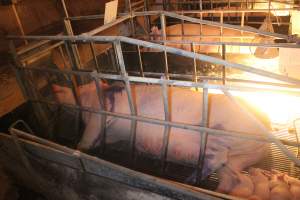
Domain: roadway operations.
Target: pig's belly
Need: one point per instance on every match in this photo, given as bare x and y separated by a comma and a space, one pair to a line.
183, 144
186, 107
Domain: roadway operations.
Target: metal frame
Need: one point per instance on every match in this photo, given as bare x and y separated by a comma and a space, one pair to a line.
70, 42
123, 76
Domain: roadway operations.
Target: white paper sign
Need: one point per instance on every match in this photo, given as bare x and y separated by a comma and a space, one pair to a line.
111, 10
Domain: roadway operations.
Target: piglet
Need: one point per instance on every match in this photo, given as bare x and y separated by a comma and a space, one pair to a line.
244, 188
294, 186
279, 188
261, 183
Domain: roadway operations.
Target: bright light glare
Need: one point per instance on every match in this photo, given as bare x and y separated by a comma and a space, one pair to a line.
280, 108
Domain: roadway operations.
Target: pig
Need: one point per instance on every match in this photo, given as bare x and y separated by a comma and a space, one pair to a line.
261, 183
244, 188
279, 188
223, 153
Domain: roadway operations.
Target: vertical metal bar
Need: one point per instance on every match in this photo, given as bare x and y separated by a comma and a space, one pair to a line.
16, 67
22, 82
140, 61
61, 52
182, 32
195, 62
74, 49
164, 36
65, 8
221, 28
223, 67
103, 116
167, 127
94, 56
20, 25
204, 123
131, 18
119, 54
242, 25
147, 19
200, 5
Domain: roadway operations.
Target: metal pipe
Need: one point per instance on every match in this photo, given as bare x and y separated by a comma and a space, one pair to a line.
204, 135
169, 50
94, 56
167, 128
19, 23
140, 61
119, 54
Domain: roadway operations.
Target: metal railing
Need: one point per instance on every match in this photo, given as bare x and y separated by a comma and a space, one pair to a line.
122, 75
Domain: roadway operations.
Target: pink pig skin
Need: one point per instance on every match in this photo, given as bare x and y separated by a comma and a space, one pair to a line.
244, 188
279, 188
261, 183
185, 107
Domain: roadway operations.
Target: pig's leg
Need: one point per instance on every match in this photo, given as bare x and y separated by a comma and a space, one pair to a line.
227, 179
91, 133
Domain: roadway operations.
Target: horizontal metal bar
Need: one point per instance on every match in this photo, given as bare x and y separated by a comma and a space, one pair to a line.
270, 45
108, 25
291, 90
229, 26
168, 49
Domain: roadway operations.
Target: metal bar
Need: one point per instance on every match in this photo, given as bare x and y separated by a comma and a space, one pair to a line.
163, 32
120, 58
22, 81
74, 50
19, 23
37, 181
223, 68
167, 128
229, 26
290, 89
100, 96
194, 63
208, 43
108, 25
147, 13
63, 3
255, 137
61, 52
170, 50
204, 135
140, 61
94, 56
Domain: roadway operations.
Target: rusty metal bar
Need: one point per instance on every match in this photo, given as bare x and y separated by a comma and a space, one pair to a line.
124, 74
204, 135
167, 128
